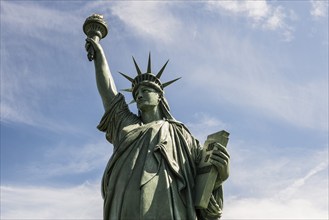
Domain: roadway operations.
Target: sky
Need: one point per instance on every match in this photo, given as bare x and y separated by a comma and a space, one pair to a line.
257, 69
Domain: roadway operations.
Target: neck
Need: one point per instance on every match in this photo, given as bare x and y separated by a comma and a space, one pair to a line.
150, 115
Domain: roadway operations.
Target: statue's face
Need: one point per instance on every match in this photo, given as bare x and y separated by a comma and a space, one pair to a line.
146, 98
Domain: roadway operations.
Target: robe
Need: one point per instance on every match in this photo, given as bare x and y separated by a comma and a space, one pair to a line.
151, 172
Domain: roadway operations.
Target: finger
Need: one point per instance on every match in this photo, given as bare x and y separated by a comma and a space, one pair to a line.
220, 146
219, 161
221, 149
213, 200
213, 207
221, 164
216, 159
221, 155
223, 170
90, 40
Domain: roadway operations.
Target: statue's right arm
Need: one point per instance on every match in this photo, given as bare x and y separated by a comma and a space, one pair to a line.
104, 79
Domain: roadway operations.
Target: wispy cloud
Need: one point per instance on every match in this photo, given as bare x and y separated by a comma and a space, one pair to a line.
253, 191
269, 208
269, 183
248, 77
288, 193
152, 20
319, 9
36, 202
38, 22
204, 125
251, 79
254, 83
233, 69
256, 10
157, 21
29, 70
261, 14
70, 160
27, 114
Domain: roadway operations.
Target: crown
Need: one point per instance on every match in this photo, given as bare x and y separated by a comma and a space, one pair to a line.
148, 78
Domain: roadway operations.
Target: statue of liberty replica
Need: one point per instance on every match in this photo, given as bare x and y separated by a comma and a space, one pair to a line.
154, 171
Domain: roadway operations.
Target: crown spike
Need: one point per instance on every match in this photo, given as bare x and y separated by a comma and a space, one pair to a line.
137, 67
127, 90
127, 77
170, 82
149, 64
131, 102
162, 69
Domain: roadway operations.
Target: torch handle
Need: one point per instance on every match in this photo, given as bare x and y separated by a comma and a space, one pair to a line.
91, 50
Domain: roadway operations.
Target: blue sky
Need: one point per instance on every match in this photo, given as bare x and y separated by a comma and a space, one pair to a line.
258, 69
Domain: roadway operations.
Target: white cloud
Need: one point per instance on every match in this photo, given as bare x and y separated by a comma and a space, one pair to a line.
39, 22
319, 8
33, 202
253, 9
276, 20
274, 183
249, 79
269, 208
151, 20
262, 185
148, 20
204, 125
70, 160
25, 113
261, 14
29, 70
25, 87
248, 82
300, 104
289, 192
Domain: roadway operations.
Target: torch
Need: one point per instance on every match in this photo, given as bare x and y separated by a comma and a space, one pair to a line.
95, 27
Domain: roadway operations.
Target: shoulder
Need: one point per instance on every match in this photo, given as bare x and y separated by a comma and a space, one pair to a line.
118, 115
182, 128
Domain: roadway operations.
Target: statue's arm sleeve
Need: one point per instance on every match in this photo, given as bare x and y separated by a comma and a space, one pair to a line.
194, 145
197, 151
116, 118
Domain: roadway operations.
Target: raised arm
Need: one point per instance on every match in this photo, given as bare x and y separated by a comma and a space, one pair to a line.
104, 79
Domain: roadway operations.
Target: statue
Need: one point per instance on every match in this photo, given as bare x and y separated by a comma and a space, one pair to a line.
153, 171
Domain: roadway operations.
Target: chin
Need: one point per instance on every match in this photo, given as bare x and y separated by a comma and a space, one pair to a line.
145, 108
